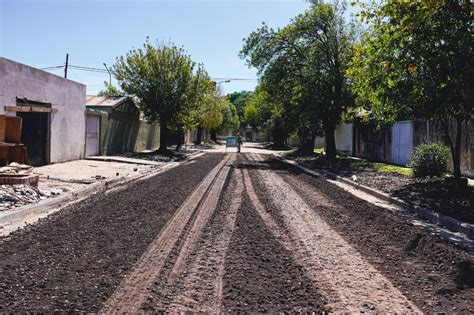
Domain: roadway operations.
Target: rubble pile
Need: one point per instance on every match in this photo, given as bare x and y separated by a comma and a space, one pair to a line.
16, 168
12, 196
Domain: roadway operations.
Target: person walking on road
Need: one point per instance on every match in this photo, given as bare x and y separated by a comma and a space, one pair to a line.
239, 142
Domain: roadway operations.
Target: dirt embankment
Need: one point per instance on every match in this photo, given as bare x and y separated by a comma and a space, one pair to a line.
74, 260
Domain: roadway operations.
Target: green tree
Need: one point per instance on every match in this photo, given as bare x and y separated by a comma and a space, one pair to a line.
416, 61
208, 114
161, 78
263, 113
239, 99
231, 120
110, 90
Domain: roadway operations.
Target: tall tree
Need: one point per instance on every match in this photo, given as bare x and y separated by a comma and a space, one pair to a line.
311, 54
416, 61
161, 78
239, 99
231, 121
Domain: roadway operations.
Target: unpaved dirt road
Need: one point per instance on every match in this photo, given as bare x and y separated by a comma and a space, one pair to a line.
227, 233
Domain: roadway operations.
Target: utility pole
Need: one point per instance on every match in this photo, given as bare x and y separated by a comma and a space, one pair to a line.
65, 68
110, 74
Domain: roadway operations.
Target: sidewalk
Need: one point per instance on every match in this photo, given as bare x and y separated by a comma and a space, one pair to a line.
68, 176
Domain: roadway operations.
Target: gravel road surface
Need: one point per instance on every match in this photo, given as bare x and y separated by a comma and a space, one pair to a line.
232, 233
73, 260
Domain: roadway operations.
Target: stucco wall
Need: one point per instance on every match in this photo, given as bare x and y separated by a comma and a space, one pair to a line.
68, 97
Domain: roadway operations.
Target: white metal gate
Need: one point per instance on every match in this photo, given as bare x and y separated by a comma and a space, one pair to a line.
92, 135
402, 142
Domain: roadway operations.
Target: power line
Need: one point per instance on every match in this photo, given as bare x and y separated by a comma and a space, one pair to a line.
101, 70
233, 79
54, 67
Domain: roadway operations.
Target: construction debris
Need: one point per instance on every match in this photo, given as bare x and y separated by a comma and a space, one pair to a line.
12, 196
16, 168
15, 174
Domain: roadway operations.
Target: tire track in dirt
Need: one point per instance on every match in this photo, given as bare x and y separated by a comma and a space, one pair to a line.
134, 288
359, 286
200, 286
261, 274
167, 286
437, 276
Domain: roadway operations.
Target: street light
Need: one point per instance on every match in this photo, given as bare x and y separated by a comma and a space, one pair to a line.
218, 83
110, 74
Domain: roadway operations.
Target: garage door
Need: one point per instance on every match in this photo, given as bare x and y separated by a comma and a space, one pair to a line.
402, 142
92, 135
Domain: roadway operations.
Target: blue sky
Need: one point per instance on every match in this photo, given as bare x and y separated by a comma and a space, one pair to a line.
40, 32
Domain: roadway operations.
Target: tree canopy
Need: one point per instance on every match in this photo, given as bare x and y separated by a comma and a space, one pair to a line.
239, 99
416, 61
162, 79
302, 68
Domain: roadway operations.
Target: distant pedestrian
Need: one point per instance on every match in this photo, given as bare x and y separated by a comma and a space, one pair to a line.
239, 142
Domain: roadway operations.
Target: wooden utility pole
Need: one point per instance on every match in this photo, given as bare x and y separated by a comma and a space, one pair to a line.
65, 68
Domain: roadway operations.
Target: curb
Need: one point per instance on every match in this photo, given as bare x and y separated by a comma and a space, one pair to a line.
433, 217
84, 192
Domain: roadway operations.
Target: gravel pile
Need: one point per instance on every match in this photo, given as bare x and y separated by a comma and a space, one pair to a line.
12, 196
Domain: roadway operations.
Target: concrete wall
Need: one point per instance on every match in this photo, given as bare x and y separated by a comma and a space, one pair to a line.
343, 135
377, 145
67, 127
374, 145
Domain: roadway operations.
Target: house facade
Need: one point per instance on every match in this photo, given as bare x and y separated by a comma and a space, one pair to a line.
52, 111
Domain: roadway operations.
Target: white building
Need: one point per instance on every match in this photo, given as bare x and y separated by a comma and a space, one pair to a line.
52, 108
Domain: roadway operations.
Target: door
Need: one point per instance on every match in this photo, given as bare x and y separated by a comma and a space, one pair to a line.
35, 137
92, 135
402, 142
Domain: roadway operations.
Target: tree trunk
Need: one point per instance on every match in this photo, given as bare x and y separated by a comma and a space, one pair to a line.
307, 143
456, 150
330, 141
163, 137
455, 147
279, 135
279, 138
214, 135
198, 136
180, 140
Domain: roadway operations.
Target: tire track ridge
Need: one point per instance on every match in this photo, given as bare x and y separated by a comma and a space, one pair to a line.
202, 289
191, 236
133, 289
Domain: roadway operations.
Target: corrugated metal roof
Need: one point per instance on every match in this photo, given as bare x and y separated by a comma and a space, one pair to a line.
94, 100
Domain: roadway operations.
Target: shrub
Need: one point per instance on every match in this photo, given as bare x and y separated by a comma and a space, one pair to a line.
429, 159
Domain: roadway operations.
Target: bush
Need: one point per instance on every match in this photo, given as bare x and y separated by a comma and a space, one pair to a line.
429, 160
